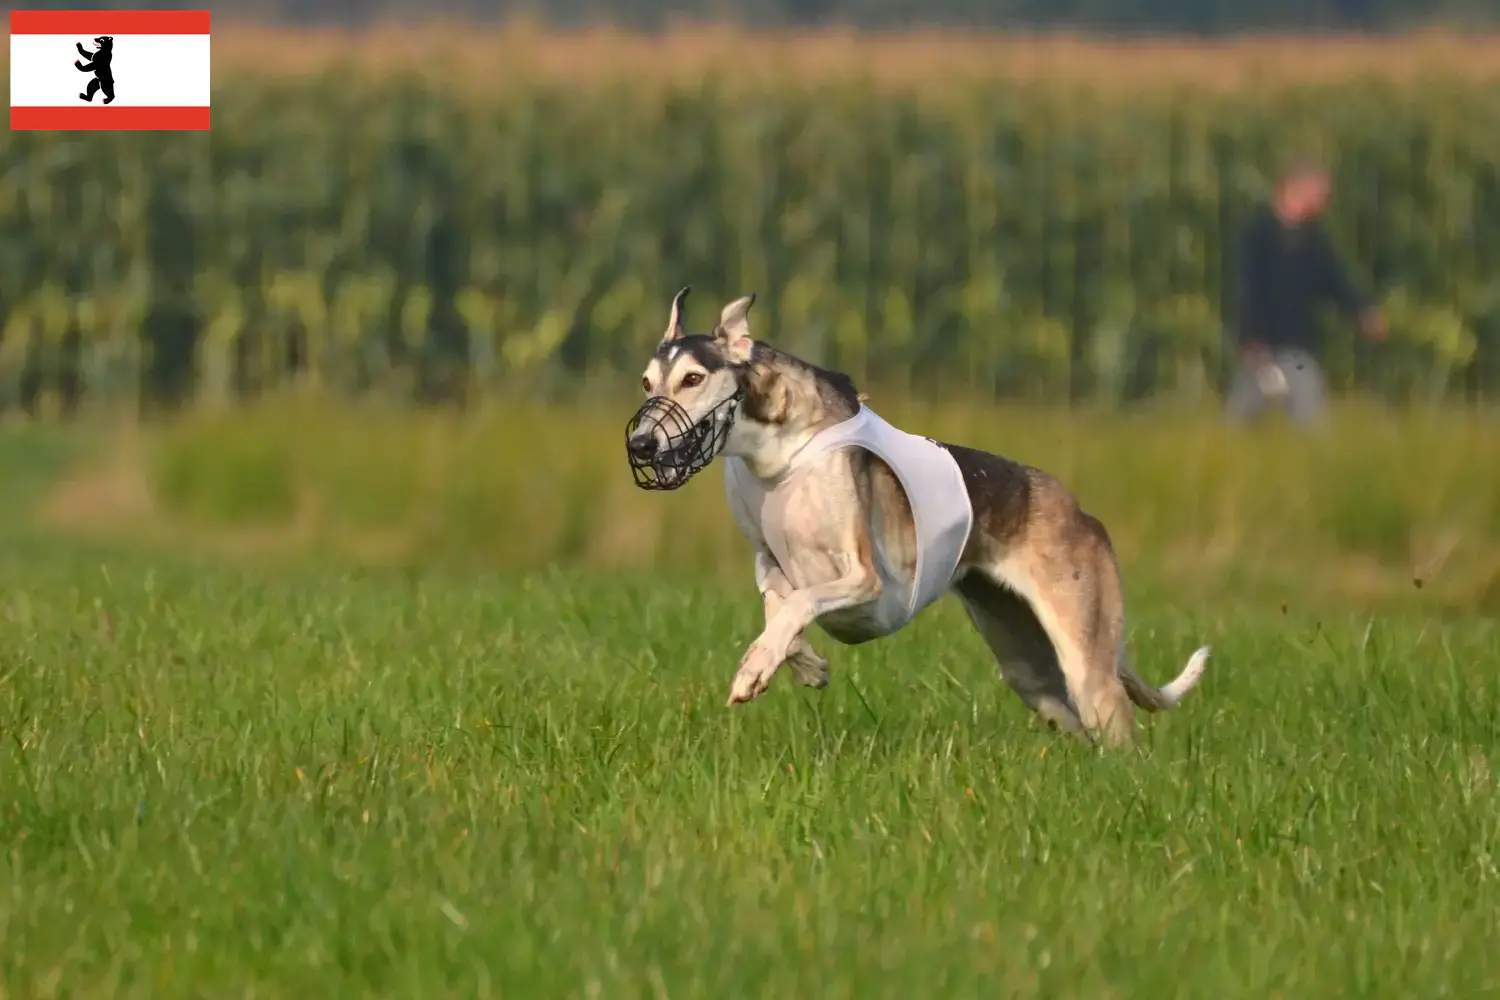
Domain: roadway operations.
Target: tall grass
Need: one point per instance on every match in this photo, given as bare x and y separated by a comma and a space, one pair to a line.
1384, 510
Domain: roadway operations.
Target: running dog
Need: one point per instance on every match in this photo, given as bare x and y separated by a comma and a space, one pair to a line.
858, 526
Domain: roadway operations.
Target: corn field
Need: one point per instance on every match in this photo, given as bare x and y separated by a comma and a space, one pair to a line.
997, 238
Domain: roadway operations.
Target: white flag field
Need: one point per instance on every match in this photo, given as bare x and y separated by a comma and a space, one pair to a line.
109, 69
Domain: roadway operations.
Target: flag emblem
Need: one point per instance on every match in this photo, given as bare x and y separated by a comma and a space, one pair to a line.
109, 69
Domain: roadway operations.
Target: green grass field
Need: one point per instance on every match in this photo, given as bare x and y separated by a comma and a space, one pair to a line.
317, 777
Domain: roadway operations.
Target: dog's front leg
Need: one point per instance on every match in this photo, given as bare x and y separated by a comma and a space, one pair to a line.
808, 666
798, 610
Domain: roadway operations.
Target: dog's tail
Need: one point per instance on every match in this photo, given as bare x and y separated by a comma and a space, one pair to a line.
1168, 695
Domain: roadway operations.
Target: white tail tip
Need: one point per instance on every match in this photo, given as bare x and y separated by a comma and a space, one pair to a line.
1174, 692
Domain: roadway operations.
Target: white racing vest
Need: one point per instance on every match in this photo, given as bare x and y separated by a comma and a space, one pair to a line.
934, 488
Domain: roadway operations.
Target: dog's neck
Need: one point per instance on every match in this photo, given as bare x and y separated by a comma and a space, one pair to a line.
785, 403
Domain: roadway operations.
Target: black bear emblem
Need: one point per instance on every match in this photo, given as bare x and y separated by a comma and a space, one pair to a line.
98, 64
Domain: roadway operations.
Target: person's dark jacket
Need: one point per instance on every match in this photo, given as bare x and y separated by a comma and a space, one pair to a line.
1282, 274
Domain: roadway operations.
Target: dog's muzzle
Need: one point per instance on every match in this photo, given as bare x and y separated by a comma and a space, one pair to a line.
666, 448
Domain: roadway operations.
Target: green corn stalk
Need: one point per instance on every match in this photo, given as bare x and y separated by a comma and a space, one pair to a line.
1005, 237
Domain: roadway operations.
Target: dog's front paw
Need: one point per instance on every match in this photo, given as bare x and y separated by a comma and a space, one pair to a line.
810, 668
756, 670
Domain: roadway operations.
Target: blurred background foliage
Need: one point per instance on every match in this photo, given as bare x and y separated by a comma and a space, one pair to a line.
1006, 239
501, 219
1199, 16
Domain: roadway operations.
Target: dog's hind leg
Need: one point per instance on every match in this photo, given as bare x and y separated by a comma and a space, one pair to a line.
1067, 578
1031, 540
1027, 661
1071, 583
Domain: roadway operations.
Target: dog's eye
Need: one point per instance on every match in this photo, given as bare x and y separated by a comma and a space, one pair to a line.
691, 379
646, 384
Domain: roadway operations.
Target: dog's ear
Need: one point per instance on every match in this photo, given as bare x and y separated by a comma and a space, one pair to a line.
675, 329
733, 331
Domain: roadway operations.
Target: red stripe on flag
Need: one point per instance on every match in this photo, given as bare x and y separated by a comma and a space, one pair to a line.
109, 22
65, 119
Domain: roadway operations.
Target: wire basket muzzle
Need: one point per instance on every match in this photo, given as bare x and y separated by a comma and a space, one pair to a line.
666, 447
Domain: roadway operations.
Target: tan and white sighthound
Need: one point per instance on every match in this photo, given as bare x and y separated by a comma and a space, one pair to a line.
837, 540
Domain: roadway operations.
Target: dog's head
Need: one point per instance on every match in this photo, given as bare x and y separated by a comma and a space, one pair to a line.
694, 384
700, 371
105, 42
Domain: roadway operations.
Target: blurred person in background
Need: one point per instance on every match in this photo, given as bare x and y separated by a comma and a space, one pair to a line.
1286, 268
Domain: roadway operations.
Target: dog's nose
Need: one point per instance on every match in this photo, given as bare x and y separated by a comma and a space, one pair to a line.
643, 448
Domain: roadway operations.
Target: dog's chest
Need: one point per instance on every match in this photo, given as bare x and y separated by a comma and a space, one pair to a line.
810, 531
806, 522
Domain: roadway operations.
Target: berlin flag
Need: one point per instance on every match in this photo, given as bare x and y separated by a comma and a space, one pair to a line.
109, 69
